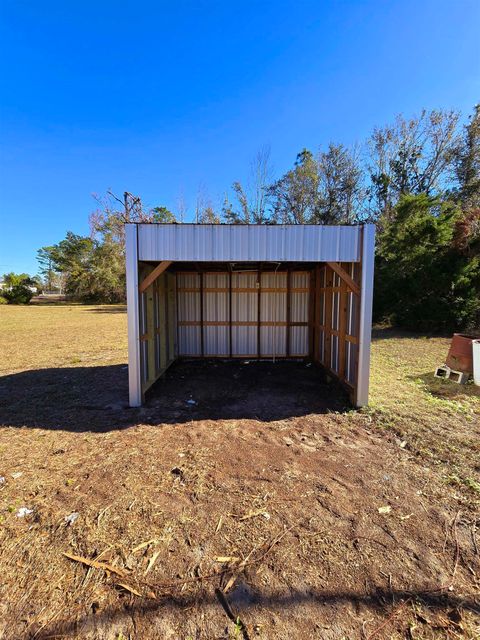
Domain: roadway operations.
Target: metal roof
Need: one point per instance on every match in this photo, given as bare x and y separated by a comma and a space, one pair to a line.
235, 243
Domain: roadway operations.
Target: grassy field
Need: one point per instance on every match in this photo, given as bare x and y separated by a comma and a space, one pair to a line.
315, 520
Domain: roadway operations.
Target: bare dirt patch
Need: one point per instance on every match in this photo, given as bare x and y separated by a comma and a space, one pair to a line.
256, 479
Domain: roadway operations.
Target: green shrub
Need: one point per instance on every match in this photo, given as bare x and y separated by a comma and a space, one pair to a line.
423, 281
3, 300
18, 294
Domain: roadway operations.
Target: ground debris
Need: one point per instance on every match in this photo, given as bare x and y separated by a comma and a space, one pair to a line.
71, 518
96, 564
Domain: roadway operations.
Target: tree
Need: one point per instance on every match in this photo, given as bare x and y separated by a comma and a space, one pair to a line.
410, 156
46, 263
163, 215
12, 279
295, 195
208, 216
422, 280
252, 200
93, 269
109, 220
341, 191
467, 163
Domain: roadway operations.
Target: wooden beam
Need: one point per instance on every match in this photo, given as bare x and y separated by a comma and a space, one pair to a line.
202, 343
159, 269
327, 339
340, 271
230, 333
311, 314
342, 328
287, 331
259, 310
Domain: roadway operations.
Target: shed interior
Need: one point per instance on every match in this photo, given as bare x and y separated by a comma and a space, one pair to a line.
254, 310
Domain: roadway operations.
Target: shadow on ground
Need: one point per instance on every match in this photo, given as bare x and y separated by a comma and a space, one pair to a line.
96, 398
380, 602
106, 309
445, 389
394, 333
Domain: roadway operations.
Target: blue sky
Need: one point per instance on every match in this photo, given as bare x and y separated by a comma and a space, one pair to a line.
158, 98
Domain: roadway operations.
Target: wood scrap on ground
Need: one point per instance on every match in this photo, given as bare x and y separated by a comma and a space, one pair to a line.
96, 564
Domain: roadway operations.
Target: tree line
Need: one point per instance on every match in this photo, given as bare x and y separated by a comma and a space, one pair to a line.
417, 179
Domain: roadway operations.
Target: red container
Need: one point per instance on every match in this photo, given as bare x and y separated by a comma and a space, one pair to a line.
460, 354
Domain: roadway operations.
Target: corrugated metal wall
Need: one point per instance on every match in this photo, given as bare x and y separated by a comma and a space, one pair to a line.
244, 243
336, 322
243, 314
157, 325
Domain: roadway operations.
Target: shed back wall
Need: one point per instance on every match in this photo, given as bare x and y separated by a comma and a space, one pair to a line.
243, 314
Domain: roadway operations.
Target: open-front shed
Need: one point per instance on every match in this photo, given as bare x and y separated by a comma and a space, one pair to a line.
249, 291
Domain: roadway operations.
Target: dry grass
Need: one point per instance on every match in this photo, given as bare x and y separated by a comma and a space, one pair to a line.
438, 419
293, 497
60, 335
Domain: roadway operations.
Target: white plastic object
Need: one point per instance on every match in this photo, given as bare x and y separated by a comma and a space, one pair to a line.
476, 361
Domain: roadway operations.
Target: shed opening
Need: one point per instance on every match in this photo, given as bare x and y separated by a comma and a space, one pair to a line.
256, 309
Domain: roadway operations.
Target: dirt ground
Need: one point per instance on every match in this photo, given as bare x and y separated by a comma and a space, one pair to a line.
245, 500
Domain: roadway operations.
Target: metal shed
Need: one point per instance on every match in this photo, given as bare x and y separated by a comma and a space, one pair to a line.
249, 291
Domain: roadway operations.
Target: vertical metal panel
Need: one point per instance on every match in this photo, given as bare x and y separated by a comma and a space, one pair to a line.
216, 341
277, 243
216, 309
188, 310
299, 341
134, 372
189, 341
366, 301
299, 312
244, 309
273, 341
273, 309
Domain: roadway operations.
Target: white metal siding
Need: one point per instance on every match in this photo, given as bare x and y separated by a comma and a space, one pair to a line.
242, 243
188, 310
273, 309
299, 312
246, 338
216, 309
244, 309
